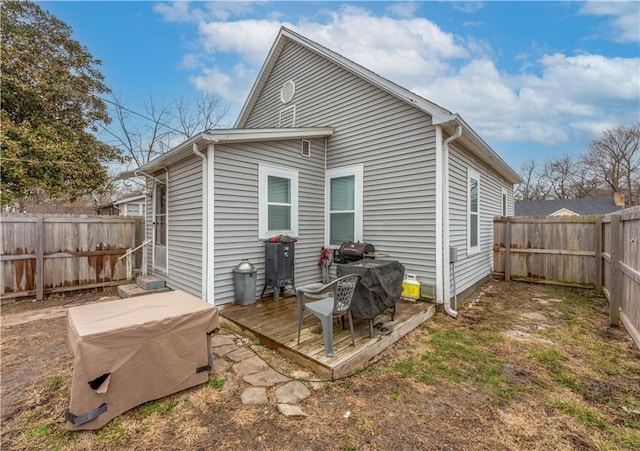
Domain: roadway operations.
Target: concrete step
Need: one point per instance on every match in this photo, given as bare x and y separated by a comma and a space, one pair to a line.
132, 289
150, 282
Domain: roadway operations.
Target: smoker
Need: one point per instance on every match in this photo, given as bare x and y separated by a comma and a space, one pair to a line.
278, 266
352, 252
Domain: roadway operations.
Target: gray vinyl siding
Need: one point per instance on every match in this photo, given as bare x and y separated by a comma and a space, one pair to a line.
236, 209
185, 223
393, 140
470, 269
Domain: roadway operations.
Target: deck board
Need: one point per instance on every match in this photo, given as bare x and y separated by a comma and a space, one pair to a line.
275, 324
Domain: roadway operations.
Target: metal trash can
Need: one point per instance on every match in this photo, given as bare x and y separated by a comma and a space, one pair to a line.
244, 283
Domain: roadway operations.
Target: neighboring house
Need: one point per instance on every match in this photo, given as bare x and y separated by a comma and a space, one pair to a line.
129, 206
326, 151
569, 207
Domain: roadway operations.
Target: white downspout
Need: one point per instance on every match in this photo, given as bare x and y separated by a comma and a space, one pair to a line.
446, 265
210, 225
205, 217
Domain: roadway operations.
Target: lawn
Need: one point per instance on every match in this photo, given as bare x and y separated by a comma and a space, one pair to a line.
522, 367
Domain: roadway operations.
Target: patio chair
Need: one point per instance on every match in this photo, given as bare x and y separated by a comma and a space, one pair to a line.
329, 301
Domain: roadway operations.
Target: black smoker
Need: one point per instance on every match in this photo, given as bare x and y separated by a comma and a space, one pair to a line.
278, 265
352, 252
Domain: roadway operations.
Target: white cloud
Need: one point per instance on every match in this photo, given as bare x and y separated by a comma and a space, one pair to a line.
468, 7
554, 99
624, 25
402, 9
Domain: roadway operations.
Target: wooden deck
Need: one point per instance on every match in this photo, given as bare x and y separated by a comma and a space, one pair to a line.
275, 325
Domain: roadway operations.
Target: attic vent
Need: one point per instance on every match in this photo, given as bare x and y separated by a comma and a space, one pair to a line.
287, 92
305, 150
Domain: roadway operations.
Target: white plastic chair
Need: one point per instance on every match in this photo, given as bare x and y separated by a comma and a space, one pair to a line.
330, 301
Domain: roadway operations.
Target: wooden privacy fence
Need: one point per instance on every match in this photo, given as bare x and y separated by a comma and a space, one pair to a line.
43, 254
599, 252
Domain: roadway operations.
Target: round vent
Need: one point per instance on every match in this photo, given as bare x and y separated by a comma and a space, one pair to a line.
287, 92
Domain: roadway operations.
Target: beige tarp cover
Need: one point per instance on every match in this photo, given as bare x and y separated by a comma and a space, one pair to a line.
135, 350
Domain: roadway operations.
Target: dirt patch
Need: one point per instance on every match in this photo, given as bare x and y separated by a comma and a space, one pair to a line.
571, 383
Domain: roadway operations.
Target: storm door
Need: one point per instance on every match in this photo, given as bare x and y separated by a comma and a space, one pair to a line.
160, 227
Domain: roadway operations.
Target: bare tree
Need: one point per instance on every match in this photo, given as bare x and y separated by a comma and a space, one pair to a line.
616, 158
530, 188
567, 177
145, 136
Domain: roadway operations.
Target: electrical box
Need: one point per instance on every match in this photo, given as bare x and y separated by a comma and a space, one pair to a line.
453, 254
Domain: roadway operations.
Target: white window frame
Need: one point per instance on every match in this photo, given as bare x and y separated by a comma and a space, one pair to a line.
357, 171
263, 220
504, 203
475, 175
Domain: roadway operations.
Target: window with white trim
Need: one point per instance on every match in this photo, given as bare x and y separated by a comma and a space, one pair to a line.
343, 196
473, 212
278, 202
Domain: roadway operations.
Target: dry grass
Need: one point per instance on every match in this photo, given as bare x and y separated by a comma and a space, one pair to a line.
523, 367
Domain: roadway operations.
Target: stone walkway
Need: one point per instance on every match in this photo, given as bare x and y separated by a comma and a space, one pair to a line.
241, 365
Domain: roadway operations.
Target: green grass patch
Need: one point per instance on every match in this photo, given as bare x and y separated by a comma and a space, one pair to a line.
585, 415
112, 433
38, 431
217, 383
460, 355
155, 407
55, 383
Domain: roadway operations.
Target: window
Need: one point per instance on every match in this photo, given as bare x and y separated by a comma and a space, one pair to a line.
504, 202
473, 212
344, 205
278, 202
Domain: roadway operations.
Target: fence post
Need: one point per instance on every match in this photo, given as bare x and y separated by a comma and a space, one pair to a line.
598, 251
507, 251
39, 258
614, 271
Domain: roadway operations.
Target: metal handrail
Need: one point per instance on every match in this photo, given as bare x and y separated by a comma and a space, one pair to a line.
131, 251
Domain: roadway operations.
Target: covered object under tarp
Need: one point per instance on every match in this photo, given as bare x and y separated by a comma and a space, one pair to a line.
135, 350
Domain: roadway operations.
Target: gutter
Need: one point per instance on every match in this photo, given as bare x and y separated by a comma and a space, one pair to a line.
446, 265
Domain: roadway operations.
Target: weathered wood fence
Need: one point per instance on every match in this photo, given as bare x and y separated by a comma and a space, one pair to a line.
43, 254
599, 252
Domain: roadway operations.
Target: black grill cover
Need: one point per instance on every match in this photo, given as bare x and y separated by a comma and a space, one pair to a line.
379, 288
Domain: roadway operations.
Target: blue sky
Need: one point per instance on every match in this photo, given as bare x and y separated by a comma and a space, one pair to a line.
534, 79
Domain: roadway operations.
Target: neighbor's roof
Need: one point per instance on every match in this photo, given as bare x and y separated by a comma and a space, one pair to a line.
440, 116
583, 207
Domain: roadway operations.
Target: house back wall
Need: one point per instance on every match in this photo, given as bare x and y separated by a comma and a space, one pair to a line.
393, 140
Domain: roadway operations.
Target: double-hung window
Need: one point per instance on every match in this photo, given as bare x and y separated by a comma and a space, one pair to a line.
278, 206
343, 205
473, 212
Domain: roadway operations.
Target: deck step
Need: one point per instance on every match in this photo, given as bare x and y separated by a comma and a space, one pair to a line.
150, 282
132, 289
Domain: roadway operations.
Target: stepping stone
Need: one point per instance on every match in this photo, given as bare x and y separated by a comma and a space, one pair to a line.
254, 396
291, 411
250, 366
221, 340
240, 354
292, 392
267, 378
534, 316
221, 351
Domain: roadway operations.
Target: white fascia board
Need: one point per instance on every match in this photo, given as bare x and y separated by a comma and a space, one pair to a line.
231, 135
234, 135
480, 148
129, 199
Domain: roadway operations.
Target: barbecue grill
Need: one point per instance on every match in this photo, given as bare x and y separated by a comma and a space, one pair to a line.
352, 252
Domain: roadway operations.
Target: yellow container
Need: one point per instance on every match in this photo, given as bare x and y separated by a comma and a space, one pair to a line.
410, 287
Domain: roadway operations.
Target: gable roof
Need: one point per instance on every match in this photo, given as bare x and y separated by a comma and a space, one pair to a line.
440, 116
584, 207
